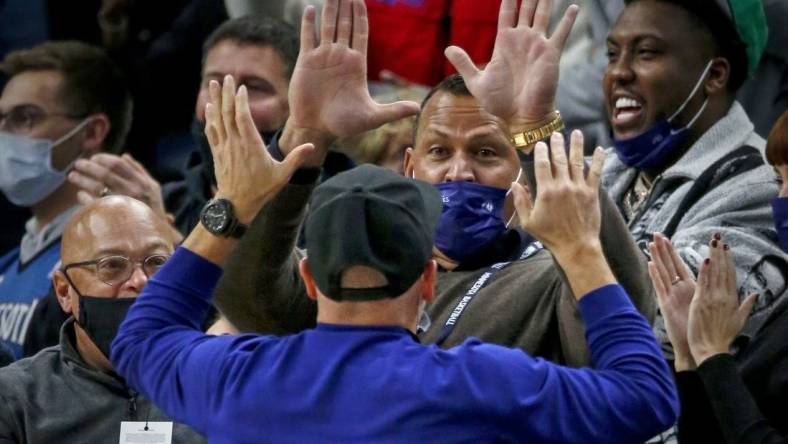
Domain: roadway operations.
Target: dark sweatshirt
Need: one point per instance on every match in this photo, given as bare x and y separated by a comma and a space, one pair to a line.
54, 397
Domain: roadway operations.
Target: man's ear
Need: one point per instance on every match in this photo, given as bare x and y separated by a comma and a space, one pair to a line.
309, 281
719, 76
408, 162
96, 133
62, 292
428, 281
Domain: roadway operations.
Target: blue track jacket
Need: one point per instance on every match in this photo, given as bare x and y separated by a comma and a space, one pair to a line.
341, 383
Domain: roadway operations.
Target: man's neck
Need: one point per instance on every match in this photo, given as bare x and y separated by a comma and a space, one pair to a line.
53, 205
389, 313
89, 352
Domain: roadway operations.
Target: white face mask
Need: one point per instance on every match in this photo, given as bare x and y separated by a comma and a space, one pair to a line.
26, 172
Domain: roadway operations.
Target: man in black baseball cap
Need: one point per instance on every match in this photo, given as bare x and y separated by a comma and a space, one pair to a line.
361, 375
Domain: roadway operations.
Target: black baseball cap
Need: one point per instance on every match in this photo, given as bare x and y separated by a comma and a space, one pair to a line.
373, 217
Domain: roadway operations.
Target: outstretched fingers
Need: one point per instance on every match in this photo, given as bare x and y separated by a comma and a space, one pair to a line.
328, 21
215, 95
345, 22
462, 63
243, 119
389, 112
523, 202
542, 16
360, 27
576, 160
228, 107
595, 171
564, 27
308, 37
542, 169
558, 157
527, 9
507, 14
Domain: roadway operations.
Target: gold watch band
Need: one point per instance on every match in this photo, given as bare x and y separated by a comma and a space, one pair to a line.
529, 137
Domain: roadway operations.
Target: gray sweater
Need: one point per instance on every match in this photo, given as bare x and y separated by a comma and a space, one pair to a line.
54, 397
528, 304
738, 208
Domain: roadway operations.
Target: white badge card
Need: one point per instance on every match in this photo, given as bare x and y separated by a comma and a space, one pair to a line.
141, 432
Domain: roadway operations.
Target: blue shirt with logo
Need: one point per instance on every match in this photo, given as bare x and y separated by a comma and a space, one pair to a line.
21, 287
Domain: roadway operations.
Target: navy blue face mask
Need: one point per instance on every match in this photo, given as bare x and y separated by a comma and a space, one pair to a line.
780, 214
471, 218
659, 143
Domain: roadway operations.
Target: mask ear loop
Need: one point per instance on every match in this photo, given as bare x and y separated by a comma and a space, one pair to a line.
691, 95
65, 137
514, 213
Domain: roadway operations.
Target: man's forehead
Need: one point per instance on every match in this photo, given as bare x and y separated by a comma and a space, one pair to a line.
656, 19
118, 228
244, 60
446, 113
37, 88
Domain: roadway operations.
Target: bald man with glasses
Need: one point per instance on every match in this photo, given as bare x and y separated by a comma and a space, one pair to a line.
70, 392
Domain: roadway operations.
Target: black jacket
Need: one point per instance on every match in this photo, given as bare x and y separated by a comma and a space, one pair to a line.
741, 399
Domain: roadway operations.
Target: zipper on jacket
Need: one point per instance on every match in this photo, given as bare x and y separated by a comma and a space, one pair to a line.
132, 405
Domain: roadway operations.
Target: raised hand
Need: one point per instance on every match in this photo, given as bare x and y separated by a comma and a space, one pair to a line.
715, 315
566, 211
565, 216
246, 174
520, 82
106, 173
328, 93
675, 286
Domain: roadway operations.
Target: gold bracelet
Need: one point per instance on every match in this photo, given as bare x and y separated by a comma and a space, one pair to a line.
529, 137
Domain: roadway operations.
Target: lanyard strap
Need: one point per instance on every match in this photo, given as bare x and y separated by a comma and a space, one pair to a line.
480, 283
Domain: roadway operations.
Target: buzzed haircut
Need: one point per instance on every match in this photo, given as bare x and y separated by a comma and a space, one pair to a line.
453, 84
92, 82
709, 17
258, 31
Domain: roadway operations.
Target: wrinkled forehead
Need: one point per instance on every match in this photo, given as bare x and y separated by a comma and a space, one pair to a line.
128, 230
458, 116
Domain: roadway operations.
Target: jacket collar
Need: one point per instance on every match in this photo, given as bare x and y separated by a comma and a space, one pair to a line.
70, 358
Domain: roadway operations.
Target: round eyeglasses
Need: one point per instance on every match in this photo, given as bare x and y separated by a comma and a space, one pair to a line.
115, 270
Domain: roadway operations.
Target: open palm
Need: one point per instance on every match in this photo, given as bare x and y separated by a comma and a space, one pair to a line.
328, 91
520, 82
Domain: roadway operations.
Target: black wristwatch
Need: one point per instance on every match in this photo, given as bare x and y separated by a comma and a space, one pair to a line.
219, 218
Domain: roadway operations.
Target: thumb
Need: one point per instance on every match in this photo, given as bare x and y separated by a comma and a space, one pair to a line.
84, 198
462, 62
746, 308
389, 112
522, 202
296, 158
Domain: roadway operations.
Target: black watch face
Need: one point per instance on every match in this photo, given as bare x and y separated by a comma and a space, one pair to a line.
216, 218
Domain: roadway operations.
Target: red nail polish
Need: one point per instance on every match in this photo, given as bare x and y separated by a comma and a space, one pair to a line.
706, 261
725, 247
717, 236
714, 243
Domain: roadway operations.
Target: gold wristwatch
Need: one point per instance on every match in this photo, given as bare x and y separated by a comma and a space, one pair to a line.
529, 137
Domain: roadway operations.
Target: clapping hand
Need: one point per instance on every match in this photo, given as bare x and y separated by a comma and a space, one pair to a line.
675, 286
715, 315
520, 82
